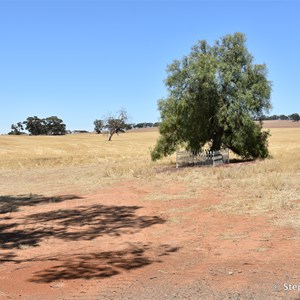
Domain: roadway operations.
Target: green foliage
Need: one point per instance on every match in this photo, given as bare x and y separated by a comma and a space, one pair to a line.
295, 117
292, 117
145, 125
16, 129
214, 95
128, 126
55, 126
49, 126
35, 125
99, 124
114, 124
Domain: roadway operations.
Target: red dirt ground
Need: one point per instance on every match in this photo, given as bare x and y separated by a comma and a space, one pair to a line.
117, 244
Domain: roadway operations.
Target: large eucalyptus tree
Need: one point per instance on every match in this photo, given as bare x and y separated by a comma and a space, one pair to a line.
214, 95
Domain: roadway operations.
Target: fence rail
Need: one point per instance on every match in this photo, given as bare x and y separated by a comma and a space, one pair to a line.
205, 158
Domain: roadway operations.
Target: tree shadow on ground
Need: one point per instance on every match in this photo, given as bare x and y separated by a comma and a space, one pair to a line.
13, 203
8, 257
240, 160
102, 264
18, 239
82, 223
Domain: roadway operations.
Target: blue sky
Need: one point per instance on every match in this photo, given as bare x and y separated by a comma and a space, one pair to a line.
81, 60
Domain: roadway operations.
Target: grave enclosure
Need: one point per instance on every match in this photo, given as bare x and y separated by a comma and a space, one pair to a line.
205, 158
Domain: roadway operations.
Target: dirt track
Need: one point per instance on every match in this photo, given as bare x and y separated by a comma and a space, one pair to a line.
119, 244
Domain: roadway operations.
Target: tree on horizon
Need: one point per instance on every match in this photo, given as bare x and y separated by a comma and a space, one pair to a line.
114, 124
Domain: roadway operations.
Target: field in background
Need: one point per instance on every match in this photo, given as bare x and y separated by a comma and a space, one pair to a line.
84, 163
21, 152
281, 124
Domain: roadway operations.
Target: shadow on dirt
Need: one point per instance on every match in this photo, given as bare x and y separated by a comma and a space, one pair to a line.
8, 257
240, 160
14, 203
21, 239
89, 222
101, 265
82, 223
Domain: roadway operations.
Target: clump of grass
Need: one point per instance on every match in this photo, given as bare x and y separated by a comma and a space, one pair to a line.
257, 187
229, 236
264, 186
165, 197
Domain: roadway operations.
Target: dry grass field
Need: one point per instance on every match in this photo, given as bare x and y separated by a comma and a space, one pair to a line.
84, 218
86, 162
83, 161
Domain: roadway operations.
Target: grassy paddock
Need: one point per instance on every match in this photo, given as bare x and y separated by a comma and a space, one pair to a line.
22, 152
272, 185
86, 162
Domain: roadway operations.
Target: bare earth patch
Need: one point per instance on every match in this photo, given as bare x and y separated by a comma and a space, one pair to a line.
124, 242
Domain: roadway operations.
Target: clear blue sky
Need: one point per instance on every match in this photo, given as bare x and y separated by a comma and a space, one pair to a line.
80, 60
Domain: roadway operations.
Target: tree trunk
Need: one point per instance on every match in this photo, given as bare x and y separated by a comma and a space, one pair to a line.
217, 141
111, 134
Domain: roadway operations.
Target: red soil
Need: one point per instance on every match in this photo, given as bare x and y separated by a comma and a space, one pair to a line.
117, 245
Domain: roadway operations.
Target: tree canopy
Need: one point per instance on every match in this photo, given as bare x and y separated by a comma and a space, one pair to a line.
295, 117
214, 95
36, 126
114, 124
99, 124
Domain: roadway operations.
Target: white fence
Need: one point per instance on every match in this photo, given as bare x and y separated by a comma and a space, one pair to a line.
205, 158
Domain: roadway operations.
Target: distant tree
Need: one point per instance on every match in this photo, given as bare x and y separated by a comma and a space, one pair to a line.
149, 124
294, 117
272, 117
99, 124
214, 95
55, 126
48, 126
283, 117
144, 125
16, 129
35, 125
116, 124
79, 131
128, 126
140, 125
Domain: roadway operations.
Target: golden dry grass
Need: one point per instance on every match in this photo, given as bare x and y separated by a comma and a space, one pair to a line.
85, 163
21, 152
271, 186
